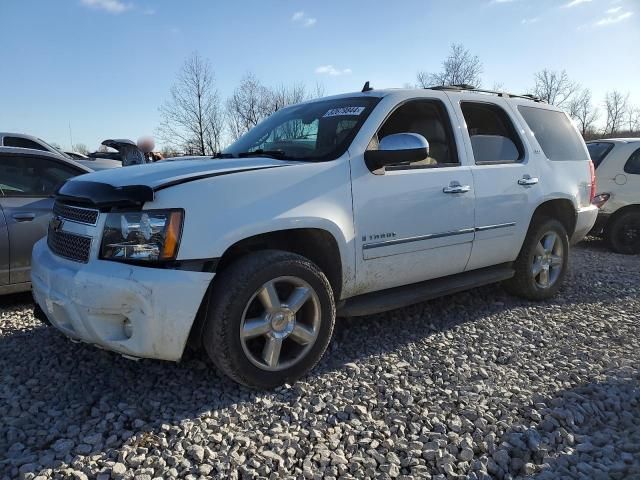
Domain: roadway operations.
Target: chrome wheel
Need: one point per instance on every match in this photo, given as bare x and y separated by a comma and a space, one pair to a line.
548, 260
277, 333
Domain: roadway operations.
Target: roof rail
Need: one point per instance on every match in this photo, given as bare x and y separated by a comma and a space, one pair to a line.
470, 88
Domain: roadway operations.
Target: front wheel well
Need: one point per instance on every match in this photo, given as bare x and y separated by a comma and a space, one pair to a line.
316, 244
561, 210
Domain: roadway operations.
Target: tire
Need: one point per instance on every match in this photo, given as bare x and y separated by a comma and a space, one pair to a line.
536, 257
623, 233
280, 344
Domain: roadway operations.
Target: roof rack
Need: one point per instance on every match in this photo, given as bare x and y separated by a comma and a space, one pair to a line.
470, 88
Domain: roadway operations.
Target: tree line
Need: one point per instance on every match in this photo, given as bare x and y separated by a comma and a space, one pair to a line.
196, 120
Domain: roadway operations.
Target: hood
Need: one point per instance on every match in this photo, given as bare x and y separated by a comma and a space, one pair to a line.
137, 184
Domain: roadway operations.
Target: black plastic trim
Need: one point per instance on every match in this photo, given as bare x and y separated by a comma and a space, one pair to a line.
101, 195
398, 297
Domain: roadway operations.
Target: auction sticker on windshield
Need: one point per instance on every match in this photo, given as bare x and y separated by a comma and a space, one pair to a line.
336, 112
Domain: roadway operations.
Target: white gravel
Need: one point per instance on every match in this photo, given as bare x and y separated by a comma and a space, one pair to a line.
477, 385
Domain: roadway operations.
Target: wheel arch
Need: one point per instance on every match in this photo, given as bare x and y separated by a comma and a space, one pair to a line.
317, 244
562, 209
634, 207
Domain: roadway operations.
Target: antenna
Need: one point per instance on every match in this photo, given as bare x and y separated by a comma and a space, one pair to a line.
366, 87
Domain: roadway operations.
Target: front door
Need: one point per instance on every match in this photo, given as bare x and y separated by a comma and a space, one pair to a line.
505, 180
28, 183
414, 221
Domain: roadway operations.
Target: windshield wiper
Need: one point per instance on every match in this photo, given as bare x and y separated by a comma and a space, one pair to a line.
222, 155
277, 154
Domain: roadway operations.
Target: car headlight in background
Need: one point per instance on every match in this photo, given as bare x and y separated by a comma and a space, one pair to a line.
149, 235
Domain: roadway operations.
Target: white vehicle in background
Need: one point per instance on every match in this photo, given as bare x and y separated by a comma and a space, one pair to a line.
346, 205
617, 163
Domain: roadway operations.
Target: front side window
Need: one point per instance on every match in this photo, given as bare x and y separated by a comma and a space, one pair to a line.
314, 131
22, 143
555, 133
493, 137
428, 118
633, 164
32, 176
598, 151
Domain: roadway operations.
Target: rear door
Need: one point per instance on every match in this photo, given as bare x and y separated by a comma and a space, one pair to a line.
505, 178
28, 183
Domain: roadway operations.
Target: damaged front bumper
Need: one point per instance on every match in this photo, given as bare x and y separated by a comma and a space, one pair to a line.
136, 311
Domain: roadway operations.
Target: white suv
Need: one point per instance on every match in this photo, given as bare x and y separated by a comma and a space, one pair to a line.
617, 162
346, 205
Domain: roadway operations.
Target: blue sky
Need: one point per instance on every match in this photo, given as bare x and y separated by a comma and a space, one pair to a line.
105, 66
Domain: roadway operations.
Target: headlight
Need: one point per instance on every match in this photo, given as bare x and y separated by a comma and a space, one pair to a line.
150, 235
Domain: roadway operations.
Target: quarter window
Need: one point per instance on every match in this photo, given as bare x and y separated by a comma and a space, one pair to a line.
598, 151
428, 118
32, 176
493, 137
555, 133
633, 164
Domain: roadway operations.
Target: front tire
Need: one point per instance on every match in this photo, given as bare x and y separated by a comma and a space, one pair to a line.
271, 317
623, 233
542, 263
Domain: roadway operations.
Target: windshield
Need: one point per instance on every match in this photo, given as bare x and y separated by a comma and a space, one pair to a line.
598, 150
314, 131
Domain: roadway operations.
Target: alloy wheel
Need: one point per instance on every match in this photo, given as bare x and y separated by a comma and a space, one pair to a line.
548, 260
280, 323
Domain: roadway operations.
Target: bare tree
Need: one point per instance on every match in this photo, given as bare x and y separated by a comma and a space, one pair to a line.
248, 105
581, 109
554, 87
460, 67
80, 148
192, 118
615, 104
632, 119
282, 96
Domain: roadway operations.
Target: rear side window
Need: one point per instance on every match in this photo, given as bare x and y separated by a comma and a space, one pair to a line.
493, 137
598, 151
22, 143
554, 132
633, 164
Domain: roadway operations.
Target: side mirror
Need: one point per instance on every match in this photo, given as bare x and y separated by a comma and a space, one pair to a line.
397, 148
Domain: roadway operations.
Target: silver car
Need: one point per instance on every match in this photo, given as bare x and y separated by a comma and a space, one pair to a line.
28, 179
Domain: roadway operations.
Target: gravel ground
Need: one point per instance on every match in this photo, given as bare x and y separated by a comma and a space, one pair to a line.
477, 385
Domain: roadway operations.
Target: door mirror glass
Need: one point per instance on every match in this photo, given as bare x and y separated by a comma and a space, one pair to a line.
396, 149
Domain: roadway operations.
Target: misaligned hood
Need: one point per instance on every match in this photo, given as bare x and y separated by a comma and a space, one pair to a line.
135, 185
157, 175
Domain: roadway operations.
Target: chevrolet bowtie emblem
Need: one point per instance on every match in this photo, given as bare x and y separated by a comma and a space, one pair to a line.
56, 224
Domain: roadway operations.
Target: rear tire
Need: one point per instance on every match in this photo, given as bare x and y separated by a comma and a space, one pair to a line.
542, 263
623, 233
271, 317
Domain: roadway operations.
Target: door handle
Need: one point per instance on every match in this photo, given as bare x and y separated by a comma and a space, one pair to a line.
527, 181
455, 187
23, 217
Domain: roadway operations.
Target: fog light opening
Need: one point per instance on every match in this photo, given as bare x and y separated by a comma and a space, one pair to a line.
127, 327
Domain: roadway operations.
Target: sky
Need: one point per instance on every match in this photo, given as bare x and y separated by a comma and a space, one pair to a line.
100, 69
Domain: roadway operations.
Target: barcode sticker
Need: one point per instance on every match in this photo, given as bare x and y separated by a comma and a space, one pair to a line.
342, 111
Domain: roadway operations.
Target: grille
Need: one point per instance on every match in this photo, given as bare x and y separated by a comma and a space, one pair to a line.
76, 214
70, 246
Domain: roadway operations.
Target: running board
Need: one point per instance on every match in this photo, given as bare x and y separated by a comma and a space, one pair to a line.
398, 297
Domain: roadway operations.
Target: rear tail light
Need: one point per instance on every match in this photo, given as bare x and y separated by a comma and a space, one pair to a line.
600, 200
592, 170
